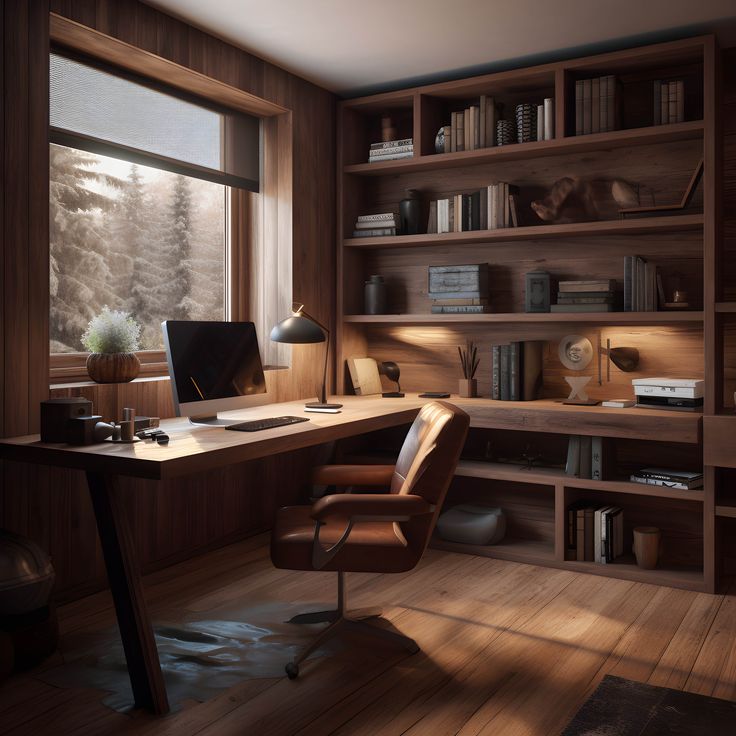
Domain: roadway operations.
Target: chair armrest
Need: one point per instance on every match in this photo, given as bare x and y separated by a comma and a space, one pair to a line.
370, 506
353, 475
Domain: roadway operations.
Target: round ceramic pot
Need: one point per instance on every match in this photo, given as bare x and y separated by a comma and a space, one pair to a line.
113, 367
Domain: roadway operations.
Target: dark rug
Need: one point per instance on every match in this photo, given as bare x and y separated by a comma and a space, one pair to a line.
621, 707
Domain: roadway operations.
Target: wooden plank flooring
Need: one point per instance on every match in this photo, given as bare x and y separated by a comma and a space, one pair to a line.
506, 649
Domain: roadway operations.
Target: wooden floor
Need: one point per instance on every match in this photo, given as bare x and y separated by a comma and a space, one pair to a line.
506, 649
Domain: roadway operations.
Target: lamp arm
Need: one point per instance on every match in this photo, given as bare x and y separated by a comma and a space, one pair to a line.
323, 397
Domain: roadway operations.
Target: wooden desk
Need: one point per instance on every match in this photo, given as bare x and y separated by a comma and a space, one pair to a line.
194, 449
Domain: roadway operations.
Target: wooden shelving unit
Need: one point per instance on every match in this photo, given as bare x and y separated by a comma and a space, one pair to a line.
660, 159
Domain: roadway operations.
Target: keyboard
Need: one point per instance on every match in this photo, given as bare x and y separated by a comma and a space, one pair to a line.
256, 425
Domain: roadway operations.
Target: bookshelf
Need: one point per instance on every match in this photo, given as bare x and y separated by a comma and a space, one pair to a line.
661, 160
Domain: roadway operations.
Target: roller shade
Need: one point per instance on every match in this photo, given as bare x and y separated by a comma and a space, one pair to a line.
102, 112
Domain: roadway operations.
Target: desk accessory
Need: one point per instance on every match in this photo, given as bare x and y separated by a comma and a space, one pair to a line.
374, 301
112, 338
537, 292
646, 546
468, 385
392, 371
364, 376
56, 413
323, 409
680, 394
434, 395
256, 425
88, 430
618, 403
299, 329
410, 213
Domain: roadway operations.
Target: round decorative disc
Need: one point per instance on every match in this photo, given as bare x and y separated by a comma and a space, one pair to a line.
576, 352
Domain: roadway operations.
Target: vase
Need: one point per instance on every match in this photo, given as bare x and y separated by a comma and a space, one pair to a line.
375, 295
113, 367
646, 546
410, 213
467, 388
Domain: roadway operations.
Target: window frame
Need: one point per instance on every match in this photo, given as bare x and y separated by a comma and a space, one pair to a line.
246, 221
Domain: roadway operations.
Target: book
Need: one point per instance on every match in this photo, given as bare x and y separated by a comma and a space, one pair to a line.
391, 144
443, 216
504, 381
603, 108
390, 149
579, 107
453, 132
376, 223
599, 532
587, 108
561, 308
580, 535
467, 302
375, 232
618, 403
549, 118
588, 536
460, 131
572, 465
612, 104
585, 300
587, 286
680, 101
678, 476
672, 106
447, 133
595, 112
540, 123
496, 372
694, 486
460, 309
376, 218
531, 370
432, 217
482, 124
586, 444
513, 210
664, 103
514, 368
467, 131
491, 119
597, 458
390, 157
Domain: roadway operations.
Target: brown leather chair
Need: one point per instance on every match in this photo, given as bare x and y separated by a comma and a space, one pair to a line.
372, 532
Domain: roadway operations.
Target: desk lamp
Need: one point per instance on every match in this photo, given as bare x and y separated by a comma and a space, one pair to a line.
299, 329
391, 370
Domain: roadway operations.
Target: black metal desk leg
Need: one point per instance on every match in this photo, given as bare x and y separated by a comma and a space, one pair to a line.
123, 574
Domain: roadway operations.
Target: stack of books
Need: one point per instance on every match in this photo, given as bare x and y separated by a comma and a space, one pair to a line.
587, 457
585, 296
391, 150
668, 102
490, 208
376, 226
642, 285
678, 394
459, 289
596, 105
595, 533
472, 128
516, 371
682, 480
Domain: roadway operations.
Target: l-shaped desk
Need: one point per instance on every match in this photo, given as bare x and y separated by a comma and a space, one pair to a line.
194, 449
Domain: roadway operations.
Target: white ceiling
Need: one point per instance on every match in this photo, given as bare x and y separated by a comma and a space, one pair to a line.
348, 46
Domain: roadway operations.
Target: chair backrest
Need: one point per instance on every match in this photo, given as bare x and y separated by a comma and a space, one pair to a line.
427, 462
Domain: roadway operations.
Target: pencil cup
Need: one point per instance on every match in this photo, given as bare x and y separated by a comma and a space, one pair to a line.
646, 546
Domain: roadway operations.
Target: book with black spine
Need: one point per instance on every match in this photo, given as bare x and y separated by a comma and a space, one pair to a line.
595, 111
585, 456
482, 126
496, 372
572, 465
375, 232
505, 380
579, 107
392, 144
460, 131
514, 371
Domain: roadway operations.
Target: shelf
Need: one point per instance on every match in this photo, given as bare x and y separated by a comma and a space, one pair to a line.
642, 226
536, 149
728, 512
530, 552
615, 318
724, 307
553, 477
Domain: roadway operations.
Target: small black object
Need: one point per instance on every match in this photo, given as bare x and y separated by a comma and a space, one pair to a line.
56, 413
292, 670
257, 425
434, 395
149, 434
410, 213
162, 439
392, 371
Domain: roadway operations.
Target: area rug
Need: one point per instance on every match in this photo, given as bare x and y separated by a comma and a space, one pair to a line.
620, 707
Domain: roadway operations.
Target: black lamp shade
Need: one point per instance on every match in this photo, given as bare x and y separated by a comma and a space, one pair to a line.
297, 330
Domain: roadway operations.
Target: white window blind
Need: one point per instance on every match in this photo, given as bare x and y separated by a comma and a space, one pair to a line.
105, 113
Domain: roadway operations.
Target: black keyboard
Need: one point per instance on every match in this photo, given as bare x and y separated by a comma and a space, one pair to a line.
256, 425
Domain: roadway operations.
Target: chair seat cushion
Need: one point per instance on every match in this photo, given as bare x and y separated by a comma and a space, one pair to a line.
371, 547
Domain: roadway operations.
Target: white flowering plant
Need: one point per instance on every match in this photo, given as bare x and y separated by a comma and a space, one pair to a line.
112, 331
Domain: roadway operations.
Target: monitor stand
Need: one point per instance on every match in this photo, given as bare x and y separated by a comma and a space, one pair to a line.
211, 421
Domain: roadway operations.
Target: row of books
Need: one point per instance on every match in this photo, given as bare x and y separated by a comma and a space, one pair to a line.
459, 289
586, 457
472, 128
585, 296
682, 480
642, 284
596, 105
490, 208
391, 150
516, 370
668, 102
595, 533
374, 226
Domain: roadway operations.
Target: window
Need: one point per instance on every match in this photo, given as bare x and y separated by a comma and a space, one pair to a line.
135, 238
140, 182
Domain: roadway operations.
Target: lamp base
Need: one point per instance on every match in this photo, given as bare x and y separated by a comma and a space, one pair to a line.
320, 405
581, 402
393, 394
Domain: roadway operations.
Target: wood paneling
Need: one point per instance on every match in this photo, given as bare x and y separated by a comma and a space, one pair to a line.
181, 517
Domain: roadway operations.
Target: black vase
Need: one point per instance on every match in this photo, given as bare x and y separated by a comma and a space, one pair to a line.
410, 213
375, 295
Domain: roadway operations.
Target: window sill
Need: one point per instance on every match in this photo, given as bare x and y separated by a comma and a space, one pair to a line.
88, 382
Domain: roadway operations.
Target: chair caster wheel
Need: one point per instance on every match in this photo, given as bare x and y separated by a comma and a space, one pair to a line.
292, 670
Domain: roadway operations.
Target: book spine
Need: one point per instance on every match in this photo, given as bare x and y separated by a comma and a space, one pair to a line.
392, 149
460, 131
580, 536
664, 102
374, 224
596, 458
375, 232
377, 218
603, 124
476, 127
392, 144
432, 217
572, 466
447, 130
482, 125
549, 118
496, 372
612, 96
505, 373
587, 108
579, 107
493, 205
490, 121
672, 109
589, 537
514, 370
391, 157
597, 541
595, 113
483, 209
466, 309
467, 129
453, 132
540, 122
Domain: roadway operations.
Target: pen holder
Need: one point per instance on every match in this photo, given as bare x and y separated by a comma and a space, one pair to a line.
467, 388
646, 546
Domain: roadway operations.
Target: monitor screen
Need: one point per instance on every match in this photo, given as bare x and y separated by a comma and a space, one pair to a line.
213, 360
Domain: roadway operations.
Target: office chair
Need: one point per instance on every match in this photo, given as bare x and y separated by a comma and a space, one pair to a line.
372, 532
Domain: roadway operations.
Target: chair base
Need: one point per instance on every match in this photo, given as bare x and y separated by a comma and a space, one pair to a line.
339, 619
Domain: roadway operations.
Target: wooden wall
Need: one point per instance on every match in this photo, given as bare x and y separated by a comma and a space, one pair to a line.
177, 519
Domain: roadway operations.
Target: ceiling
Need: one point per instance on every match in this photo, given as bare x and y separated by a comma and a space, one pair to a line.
354, 47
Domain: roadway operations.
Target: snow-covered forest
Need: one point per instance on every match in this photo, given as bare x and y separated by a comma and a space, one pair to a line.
134, 238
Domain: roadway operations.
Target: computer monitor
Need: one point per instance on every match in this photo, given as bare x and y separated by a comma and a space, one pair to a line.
214, 366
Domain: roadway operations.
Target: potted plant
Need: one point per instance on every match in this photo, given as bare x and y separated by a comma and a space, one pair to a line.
469, 362
112, 339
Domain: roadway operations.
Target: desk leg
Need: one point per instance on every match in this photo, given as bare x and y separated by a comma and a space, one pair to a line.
123, 574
